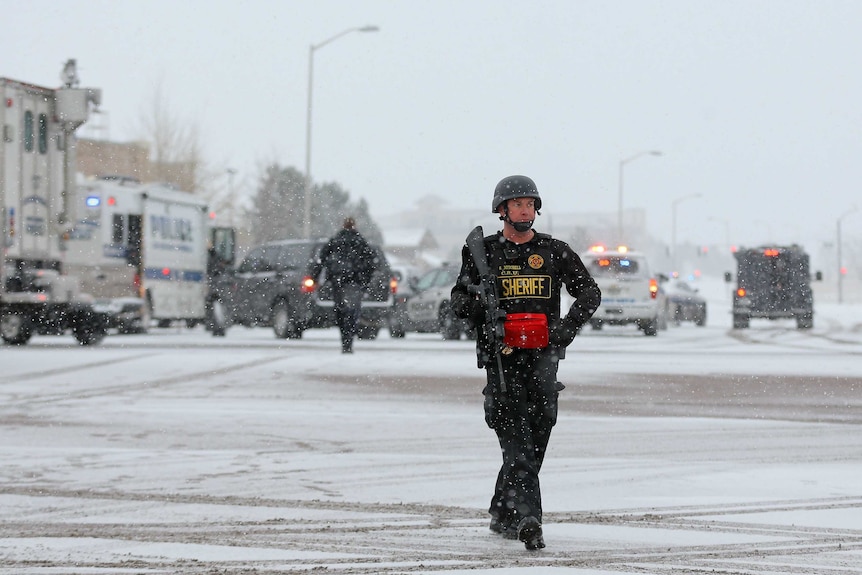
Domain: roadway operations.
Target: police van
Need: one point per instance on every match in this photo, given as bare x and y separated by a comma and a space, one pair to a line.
631, 294
773, 282
141, 250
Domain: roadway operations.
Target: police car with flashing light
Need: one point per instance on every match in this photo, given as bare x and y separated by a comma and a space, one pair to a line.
631, 294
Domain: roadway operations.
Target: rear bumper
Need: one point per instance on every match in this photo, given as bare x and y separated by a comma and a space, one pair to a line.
625, 312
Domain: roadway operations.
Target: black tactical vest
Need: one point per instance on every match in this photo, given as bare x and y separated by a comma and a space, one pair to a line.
527, 275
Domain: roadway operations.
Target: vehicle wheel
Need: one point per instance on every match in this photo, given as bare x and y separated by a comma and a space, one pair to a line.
805, 321
596, 324
126, 329
448, 323
395, 320
164, 323
367, 332
89, 329
650, 327
740, 321
15, 327
217, 318
284, 322
676, 315
700, 320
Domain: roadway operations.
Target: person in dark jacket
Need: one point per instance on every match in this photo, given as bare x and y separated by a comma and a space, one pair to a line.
529, 271
349, 262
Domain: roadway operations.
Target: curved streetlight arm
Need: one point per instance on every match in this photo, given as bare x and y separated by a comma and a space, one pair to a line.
623, 162
639, 154
344, 33
688, 197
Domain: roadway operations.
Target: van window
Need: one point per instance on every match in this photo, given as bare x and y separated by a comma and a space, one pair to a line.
43, 133
28, 131
253, 262
118, 226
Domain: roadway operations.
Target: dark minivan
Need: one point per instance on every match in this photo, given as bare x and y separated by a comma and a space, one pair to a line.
272, 287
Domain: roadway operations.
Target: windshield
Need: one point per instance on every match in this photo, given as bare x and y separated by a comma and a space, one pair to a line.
614, 266
442, 277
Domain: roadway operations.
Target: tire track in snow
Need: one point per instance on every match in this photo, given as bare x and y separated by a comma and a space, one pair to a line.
366, 538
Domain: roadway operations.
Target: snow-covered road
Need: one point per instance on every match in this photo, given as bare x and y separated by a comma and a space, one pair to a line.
700, 450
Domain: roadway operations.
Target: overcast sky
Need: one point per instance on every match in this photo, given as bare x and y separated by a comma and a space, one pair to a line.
755, 105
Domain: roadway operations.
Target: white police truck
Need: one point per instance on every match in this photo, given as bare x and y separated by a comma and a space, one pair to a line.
37, 199
142, 250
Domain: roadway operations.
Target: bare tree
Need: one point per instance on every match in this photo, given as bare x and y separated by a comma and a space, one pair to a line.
176, 155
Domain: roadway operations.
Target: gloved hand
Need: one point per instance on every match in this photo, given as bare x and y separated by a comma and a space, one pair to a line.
564, 332
468, 308
477, 311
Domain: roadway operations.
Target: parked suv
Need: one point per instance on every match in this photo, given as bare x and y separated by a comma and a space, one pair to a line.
630, 293
272, 287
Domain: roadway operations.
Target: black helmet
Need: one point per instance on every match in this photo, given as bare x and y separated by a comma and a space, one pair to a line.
515, 187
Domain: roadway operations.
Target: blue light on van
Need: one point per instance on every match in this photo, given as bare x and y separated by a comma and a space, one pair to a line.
93, 201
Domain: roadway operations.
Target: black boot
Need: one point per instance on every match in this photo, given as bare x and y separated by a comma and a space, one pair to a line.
530, 533
504, 528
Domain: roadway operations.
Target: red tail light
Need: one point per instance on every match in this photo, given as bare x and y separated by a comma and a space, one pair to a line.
307, 285
136, 283
393, 284
653, 288
741, 292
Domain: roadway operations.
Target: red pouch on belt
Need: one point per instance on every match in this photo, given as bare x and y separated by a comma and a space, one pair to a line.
526, 330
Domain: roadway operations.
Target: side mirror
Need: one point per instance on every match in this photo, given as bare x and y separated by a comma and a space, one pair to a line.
818, 276
223, 246
728, 277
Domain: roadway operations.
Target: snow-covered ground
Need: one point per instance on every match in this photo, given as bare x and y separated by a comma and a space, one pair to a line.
700, 450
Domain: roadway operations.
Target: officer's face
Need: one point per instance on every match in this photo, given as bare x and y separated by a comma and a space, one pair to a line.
522, 209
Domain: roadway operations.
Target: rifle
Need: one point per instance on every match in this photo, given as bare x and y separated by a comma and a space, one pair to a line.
492, 326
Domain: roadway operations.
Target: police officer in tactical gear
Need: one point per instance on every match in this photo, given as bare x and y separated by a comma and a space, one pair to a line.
530, 270
349, 262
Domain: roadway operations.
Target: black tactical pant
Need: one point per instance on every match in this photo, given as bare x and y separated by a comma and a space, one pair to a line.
522, 417
348, 301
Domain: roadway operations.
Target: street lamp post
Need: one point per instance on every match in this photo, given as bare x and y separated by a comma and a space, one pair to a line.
623, 162
838, 232
306, 199
674, 204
